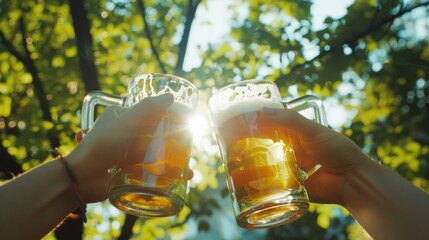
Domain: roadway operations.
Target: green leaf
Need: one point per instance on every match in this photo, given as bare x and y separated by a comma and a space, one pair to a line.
5, 105
58, 61
71, 52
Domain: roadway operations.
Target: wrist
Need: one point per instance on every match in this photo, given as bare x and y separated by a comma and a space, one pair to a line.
77, 160
80, 211
385, 204
359, 183
93, 176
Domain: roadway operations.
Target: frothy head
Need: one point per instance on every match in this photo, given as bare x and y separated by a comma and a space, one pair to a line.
155, 84
242, 97
239, 108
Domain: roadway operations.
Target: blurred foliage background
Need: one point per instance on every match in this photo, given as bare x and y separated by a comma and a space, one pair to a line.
369, 62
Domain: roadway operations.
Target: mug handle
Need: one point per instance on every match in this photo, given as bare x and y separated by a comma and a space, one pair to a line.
309, 102
90, 101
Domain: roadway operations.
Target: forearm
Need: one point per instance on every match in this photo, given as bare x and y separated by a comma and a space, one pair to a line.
39, 199
386, 205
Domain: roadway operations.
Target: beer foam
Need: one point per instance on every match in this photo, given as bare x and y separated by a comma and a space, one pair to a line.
240, 107
155, 84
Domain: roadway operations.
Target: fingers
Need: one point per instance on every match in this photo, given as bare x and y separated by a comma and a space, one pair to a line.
147, 112
190, 174
79, 136
109, 115
291, 119
150, 106
303, 160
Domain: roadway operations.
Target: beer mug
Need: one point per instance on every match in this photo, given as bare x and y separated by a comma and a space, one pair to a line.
151, 181
263, 178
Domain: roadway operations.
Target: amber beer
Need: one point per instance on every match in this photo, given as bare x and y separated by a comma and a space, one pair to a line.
150, 181
153, 177
259, 161
264, 181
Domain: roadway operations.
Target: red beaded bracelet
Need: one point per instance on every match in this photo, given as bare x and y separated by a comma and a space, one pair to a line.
80, 212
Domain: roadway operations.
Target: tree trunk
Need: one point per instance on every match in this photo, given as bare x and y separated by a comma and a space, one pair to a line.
85, 45
73, 229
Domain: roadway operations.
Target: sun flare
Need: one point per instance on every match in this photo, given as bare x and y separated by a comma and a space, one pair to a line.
199, 125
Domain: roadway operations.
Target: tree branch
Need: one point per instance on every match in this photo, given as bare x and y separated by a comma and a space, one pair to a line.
127, 227
192, 8
8, 164
356, 37
9, 167
142, 10
10, 48
29, 64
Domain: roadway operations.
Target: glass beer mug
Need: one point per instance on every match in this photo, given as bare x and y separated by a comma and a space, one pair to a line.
151, 181
263, 178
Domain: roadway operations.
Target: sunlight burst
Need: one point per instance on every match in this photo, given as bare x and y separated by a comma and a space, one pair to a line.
198, 124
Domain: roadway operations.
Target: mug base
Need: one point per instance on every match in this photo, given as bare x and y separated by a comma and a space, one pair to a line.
272, 214
146, 201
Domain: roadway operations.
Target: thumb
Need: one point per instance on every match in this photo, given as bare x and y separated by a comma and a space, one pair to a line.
147, 112
149, 106
292, 120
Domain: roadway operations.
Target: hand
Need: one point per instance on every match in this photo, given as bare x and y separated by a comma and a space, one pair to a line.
313, 143
108, 141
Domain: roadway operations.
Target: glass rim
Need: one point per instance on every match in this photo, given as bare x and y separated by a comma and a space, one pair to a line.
236, 84
212, 101
167, 75
254, 80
